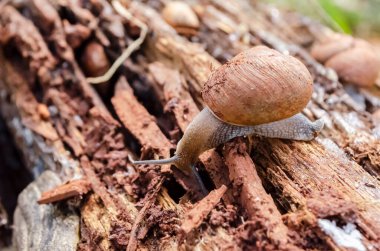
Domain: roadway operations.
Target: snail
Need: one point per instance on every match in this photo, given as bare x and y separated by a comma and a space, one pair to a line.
181, 17
353, 59
260, 91
94, 60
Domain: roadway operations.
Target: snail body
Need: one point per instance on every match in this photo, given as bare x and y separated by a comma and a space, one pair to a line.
207, 131
260, 91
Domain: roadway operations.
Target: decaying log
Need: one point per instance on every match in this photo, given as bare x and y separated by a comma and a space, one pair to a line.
269, 194
259, 205
310, 177
126, 106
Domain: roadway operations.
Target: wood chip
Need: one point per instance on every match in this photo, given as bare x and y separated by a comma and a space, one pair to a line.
196, 215
71, 189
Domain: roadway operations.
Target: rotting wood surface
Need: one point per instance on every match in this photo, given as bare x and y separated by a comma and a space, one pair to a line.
280, 194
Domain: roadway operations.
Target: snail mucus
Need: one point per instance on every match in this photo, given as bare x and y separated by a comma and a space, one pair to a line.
260, 91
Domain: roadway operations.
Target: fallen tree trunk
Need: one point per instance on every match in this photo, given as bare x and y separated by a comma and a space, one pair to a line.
280, 194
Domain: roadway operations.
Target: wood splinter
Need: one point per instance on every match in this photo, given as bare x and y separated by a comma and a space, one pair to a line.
196, 215
68, 190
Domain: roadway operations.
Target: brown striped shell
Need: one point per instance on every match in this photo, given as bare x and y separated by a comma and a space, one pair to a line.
258, 86
180, 14
329, 47
353, 59
359, 65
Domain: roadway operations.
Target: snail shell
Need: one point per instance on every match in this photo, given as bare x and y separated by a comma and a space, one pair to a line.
258, 86
94, 60
358, 65
329, 47
353, 59
180, 15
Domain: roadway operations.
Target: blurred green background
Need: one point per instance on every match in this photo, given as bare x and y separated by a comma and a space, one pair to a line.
357, 17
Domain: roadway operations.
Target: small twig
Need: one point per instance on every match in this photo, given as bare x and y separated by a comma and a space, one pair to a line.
194, 217
128, 51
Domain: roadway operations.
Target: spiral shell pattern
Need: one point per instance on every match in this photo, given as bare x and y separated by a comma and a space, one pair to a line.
258, 86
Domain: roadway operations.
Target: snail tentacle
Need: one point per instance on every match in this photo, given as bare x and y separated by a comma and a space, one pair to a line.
154, 161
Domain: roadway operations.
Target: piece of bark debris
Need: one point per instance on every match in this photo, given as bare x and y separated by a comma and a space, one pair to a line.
65, 191
196, 215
